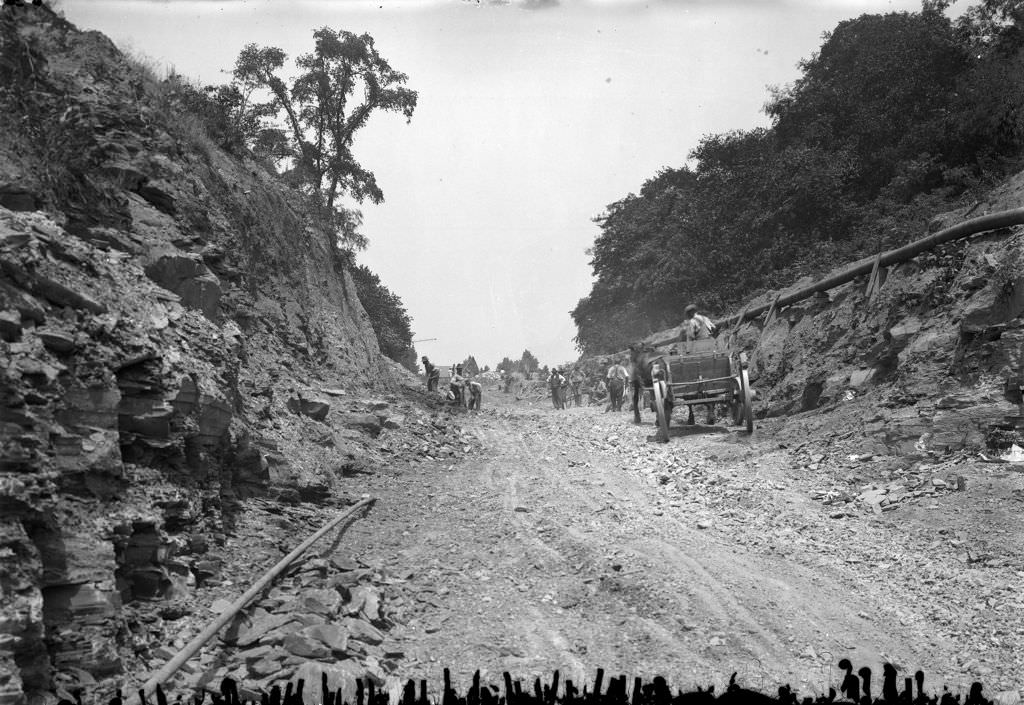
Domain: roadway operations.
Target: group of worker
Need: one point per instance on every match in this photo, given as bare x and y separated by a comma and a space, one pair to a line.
611, 387
563, 387
463, 390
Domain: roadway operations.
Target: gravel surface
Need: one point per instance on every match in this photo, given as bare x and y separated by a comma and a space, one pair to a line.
574, 541
571, 540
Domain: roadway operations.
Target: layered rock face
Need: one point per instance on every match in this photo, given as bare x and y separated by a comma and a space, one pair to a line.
160, 304
934, 360
117, 399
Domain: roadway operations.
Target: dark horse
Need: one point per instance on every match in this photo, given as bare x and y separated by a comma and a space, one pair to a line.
642, 358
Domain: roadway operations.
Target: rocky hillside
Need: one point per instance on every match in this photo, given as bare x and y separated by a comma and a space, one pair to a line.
931, 363
172, 328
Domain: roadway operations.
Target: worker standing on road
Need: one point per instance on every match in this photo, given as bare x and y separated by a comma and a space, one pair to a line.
576, 380
433, 374
456, 383
696, 326
617, 376
475, 393
555, 383
566, 391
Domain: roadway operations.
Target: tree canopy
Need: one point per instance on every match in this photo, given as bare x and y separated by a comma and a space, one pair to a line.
319, 110
526, 363
388, 317
896, 117
470, 367
305, 123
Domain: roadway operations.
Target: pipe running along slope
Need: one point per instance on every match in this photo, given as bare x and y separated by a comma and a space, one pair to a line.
992, 221
172, 666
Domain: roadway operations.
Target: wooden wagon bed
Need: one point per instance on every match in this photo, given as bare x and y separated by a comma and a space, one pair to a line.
703, 372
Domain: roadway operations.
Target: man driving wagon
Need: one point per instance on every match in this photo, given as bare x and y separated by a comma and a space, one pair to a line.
696, 326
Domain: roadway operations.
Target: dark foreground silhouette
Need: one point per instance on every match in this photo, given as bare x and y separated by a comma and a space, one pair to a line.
855, 688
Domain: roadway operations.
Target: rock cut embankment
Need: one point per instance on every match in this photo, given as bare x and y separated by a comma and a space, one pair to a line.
167, 316
933, 362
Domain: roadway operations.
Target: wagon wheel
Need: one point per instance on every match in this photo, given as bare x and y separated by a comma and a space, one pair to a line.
746, 401
736, 405
660, 389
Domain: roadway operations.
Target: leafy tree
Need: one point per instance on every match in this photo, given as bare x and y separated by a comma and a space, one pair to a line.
604, 322
388, 317
991, 25
528, 362
989, 104
878, 89
306, 124
470, 367
319, 109
410, 360
231, 116
894, 117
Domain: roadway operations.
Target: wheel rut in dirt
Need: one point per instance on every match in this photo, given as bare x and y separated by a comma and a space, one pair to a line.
552, 553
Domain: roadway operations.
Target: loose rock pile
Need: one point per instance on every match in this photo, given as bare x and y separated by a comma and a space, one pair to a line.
326, 613
919, 481
327, 616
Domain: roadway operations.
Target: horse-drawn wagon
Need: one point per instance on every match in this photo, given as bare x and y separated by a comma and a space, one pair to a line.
699, 372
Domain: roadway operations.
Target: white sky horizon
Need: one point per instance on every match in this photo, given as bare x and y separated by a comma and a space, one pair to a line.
529, 123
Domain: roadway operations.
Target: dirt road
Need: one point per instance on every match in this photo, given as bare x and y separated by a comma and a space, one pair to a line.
571, 541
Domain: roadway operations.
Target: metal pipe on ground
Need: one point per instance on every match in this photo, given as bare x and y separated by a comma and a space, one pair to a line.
190, 649
992, 221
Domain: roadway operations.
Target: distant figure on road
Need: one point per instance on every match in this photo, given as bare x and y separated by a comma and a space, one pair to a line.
600, 392
433, 374
696, 326
475, 393
576, 380
617, 376
555, 383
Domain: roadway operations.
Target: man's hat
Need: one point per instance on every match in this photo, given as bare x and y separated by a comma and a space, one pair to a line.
692, 308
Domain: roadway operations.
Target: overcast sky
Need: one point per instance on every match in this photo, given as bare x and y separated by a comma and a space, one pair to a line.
533, 116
